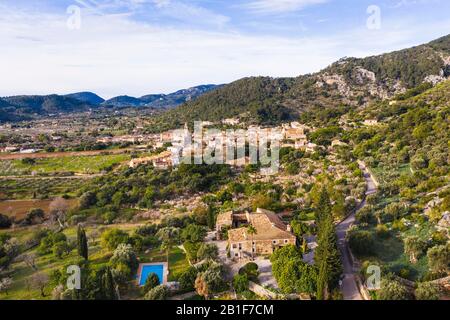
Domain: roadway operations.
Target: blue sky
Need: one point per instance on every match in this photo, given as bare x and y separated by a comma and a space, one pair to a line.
138, 47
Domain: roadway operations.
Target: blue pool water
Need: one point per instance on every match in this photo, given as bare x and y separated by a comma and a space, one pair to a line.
147, 270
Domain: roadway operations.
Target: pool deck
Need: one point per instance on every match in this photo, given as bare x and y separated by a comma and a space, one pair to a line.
165, 270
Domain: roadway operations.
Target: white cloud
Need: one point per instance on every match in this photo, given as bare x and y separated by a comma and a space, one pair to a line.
113, 55
278, 6
404, 3
148, 10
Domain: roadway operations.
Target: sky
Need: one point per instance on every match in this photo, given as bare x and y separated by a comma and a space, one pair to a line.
139, 47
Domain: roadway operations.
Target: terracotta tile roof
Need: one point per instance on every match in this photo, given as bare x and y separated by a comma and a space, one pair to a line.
225, 218
268, 226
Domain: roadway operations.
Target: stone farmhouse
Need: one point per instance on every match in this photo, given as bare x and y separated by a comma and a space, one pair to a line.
162, 161
271, 233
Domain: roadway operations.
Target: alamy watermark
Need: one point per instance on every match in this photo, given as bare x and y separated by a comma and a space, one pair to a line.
374, 279
74, 279
374, 19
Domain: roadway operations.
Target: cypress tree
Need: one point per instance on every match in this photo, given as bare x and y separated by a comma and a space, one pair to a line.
108, 285
327, 256
82, 243
323, 208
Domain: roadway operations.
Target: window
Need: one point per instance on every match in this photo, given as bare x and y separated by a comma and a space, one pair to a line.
234, 246
285, 241
274, 241
236, 254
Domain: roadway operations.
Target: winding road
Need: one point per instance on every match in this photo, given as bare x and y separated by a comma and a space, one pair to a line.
349, 285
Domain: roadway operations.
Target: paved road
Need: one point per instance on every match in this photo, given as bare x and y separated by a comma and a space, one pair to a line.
349, 287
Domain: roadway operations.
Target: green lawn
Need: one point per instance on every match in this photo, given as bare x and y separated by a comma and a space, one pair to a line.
383, 174
390, 253
178, 262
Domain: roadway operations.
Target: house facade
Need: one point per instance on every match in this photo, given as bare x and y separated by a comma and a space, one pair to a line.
270, 233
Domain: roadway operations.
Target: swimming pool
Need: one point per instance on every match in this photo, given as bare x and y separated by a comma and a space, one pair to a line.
148, 269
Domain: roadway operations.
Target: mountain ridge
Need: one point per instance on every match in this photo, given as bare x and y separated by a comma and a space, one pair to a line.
86, 96
25, 107
161, 100
347, 83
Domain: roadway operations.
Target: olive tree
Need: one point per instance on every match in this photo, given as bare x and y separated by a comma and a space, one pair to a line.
414, 247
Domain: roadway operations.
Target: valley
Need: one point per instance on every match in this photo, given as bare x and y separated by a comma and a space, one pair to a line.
361, 151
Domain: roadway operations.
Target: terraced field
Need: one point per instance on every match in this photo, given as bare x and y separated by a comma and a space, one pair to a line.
29, 188
69, 165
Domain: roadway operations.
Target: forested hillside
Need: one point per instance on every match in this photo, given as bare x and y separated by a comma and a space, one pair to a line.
413, 133
24, 107
348, 83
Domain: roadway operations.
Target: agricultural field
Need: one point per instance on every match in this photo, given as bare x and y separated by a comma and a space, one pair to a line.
31, 188
19, 208
71, 164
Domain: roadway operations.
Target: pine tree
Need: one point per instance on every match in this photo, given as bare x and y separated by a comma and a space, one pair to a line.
82, 243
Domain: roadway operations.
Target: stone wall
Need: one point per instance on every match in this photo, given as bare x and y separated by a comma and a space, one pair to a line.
263, 247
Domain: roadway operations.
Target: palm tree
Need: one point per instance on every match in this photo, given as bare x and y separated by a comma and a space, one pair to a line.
251, 230
168, 237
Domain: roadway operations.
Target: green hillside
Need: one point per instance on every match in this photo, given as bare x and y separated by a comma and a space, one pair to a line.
348, 83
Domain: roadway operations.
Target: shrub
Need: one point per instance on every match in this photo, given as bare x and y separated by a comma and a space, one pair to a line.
382, 231
361, 242
87, 200
191, 250
34, 216
124, 256
187, 279
60, 249
428, 291
113, 237
53, 241
160, 292
240, 283
438, 258
250, 270
5, 221
393, 290
147, 230
193, 233
151, 282
365, 215
207, 251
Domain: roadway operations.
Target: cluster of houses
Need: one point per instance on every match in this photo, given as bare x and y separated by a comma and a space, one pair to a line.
163, 160
187, 144
11, 149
